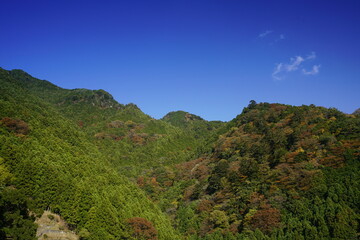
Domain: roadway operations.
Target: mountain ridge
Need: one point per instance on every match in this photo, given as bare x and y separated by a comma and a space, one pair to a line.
22, 75
275, 171
56, 166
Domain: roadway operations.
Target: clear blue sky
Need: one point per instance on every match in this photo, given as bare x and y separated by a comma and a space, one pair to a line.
206, 57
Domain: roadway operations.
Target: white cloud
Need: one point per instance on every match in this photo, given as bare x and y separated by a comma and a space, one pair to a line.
264, 34
277, 70
294, 64
314, 71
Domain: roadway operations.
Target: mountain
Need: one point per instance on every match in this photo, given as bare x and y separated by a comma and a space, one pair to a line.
193, 123
279, 172
48, 162
131, 140
106, 170
181, 118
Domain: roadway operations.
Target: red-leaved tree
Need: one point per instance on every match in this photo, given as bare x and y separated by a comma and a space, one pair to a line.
142, 228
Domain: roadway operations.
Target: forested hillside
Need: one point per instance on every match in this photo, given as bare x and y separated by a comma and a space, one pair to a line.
279, 172
112, 172
48, 162
131, 140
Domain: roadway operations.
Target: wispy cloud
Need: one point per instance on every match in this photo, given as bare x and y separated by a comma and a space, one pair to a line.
295, 63
264, 34
278, 69
273, 39
287, 67
314, 71
312, 55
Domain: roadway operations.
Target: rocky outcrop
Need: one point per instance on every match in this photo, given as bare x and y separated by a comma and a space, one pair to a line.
52, 227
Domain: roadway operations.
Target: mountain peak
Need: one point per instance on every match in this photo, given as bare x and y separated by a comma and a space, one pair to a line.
100, 98
181, 116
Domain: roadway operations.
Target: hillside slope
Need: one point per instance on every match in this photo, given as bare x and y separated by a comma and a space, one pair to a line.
280, 172
194, 124
274, 172
53, 165
131, 140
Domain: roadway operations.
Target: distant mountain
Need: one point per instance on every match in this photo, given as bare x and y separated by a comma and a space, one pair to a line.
193, 123
357, 112
181, 118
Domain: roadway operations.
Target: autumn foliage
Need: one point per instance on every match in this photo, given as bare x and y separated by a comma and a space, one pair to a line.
16, 125
269, 174
266, 219
142, 228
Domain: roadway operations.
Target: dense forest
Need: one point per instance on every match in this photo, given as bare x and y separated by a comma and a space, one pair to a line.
112, 172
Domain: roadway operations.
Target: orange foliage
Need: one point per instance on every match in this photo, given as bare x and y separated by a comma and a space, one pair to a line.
266, 219
153, 182
335, 157
137, 139
290, 156
277, 107
140, 181
142, 228
18, 126
186, 169
116, 124
205, 206
333, 161
200, 171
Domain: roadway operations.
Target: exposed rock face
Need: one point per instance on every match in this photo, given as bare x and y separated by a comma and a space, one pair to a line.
53, 227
